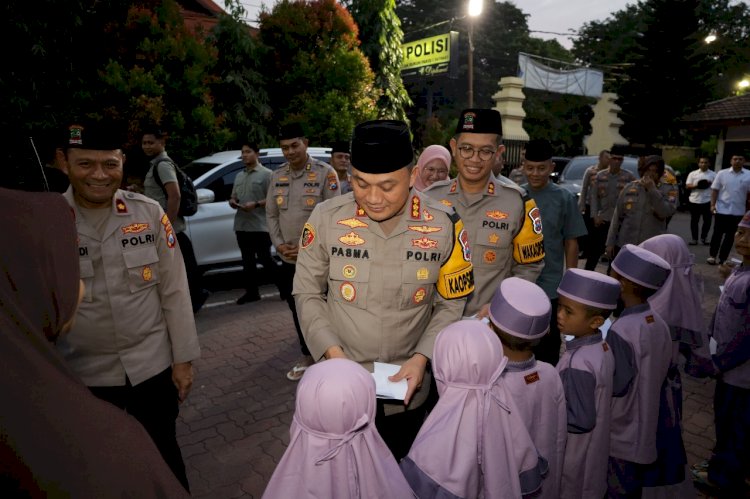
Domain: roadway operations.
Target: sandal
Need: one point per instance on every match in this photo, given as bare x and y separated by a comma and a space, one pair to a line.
296, 373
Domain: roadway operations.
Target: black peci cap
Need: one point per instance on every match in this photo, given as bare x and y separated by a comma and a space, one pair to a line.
90, 134
538, 150
381, 146
340, 146
291, 131
479, 121
619, 150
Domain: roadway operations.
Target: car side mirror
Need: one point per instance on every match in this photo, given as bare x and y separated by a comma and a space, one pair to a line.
205, 196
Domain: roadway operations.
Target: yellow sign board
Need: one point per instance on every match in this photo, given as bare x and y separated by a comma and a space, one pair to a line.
430, 57
427, 51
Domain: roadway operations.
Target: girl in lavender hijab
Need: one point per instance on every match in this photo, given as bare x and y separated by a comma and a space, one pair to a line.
334, 450
678, 302
473, 443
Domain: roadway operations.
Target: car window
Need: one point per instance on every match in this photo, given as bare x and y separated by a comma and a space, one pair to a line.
576, 167
196, 169
222, 186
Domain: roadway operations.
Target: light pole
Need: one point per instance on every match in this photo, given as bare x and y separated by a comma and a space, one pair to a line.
475, 9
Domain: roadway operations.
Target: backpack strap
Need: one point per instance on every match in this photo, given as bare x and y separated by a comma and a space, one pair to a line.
155, 170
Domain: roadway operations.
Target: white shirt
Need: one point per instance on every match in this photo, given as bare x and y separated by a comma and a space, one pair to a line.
700, 196
733, 188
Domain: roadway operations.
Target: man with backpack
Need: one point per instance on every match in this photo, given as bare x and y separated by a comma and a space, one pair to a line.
162, 183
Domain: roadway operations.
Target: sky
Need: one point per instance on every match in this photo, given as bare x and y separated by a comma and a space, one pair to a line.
551, 16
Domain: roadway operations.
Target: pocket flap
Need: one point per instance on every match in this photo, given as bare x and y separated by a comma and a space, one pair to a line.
139, 257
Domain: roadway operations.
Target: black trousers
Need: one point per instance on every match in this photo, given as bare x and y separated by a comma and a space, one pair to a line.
194, 276
597, 243
286, 281
583, 241
723, 238
729, 464
698, 211
548, 349
155, 405
255, 247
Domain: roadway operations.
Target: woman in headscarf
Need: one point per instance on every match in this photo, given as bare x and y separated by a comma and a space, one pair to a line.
473, 443
56, 438
678, 302
334, 449
433, 165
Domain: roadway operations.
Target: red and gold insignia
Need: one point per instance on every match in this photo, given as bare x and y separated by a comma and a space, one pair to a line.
415, 203
279, 191
491, 188
348, 292
605, 346
423, 274
279, 200
454, 184
419, 295
352, 239
489, 256
361, 212
120, 206
333, 181
427, 215
446, 203
463, 238
308, 167
310, 201
536, 219
135, 228
308, 235
424, 229
531, 378
168, 231
311, 190
312, 176
349, 271
493, 238
147, 273
649, 319
424, 243
353, 223
283, 179
628, 206
75, 133
496, 214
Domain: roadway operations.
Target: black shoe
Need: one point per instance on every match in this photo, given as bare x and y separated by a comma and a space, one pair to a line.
247, 298
693, 242
705, 243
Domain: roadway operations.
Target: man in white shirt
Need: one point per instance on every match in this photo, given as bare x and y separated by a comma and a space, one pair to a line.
699, 184
728, 204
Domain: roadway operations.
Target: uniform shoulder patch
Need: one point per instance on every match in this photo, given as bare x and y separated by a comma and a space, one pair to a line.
456, 276
308, 235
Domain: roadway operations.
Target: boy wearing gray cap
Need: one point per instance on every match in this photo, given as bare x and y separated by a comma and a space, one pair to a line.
586, 299
520, 316
642, 347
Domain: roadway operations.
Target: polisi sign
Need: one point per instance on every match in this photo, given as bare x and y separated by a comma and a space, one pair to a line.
431, 56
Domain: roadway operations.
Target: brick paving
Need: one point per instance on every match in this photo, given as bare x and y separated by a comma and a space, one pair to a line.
234, 427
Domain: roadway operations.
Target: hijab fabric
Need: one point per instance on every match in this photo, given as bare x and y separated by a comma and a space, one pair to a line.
334, 449
56, 438
434, 151
678, 301
473, 443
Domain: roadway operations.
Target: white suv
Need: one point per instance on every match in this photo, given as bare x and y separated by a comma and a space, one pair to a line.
211, 229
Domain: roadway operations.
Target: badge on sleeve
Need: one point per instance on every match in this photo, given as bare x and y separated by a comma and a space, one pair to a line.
308, 236
332, 182
348, 292
168, 231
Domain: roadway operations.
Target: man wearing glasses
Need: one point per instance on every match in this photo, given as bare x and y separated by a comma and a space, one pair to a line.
503, 223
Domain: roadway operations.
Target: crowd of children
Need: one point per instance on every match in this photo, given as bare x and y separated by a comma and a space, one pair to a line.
606, 421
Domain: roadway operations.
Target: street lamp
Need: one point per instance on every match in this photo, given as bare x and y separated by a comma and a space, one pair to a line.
710, 38
475, 9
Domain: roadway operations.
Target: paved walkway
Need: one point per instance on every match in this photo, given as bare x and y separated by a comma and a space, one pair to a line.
234, 427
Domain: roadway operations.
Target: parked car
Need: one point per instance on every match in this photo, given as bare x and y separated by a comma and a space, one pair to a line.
211, 229
572, 175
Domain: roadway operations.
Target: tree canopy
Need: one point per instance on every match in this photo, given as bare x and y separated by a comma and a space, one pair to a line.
319, 75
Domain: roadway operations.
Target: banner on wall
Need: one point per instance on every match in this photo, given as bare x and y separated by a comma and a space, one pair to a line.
573, 79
